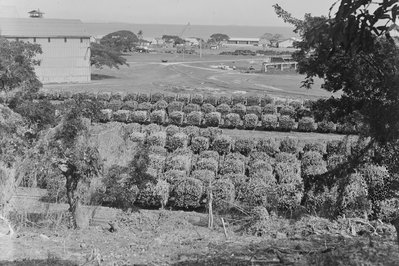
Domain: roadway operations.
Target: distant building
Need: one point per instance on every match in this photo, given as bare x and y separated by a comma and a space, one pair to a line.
191, 41
36, 14
287, 43
65, 45
242, 42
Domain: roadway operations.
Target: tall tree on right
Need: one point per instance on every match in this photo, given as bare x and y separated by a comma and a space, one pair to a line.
352, 51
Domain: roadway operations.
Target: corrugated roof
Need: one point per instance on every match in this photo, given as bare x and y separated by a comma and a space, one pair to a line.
244, 39
35, 27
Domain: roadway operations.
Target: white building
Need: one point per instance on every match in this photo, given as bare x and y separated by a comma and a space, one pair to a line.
287, 43
65, 45
242, 42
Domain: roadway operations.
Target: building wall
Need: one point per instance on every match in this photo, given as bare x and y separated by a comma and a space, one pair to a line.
63, 61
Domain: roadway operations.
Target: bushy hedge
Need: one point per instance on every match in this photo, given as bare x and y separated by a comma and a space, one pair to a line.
115, 105
185, 98
130, 105
171, 176
239, 99
239, 109
157, 162
223, 194
161, 105
207, 164
171, 130
139, 116
187, 193
286, 123
334, 161
208, 108
101, 96
336, 147
157, 139
244, 145
270, 122
232, 120
231, 166
307, 124
122, 116
224, 100
317, 146
197, 99
288, 111
158, 116
209, 155
150, 129
253, 100
191, 107
206, 176
251, 121
210, 132
137, 137
295, 104
176, 118
285, 157
254, 193
289, 145
259, 156
211, 99
145, 106
143, 97
256, 110
326, 127
265, 100
133, 127
259, 166
223, 109
269, 109
175, 106
269, 146
195, 118
191, 132
312, 164
156, 97
179, 162
303, 112
199, 144
178, 140
169, 98
222, 144
213, 119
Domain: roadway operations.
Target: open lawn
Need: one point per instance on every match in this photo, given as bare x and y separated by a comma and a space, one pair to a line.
192, 74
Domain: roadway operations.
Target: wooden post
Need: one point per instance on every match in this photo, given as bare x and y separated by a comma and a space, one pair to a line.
224, 228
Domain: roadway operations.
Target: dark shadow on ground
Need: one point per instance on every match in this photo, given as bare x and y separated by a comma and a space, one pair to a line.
101, 77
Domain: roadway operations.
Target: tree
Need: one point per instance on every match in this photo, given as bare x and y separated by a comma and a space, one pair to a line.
218, 38
175, 40
354, 53
17, 62
104, 56
270, 39
140, 36
121, 41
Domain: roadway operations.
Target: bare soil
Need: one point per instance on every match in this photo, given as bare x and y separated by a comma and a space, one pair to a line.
156, 237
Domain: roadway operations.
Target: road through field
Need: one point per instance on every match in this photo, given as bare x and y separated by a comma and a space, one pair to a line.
147, 73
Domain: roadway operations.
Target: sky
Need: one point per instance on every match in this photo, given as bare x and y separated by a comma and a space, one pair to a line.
195, 12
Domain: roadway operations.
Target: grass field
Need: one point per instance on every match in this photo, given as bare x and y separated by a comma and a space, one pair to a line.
192, 74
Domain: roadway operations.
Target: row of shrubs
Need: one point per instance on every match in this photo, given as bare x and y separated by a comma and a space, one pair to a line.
279, 182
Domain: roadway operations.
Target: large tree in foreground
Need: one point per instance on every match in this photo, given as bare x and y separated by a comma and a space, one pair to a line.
102, 55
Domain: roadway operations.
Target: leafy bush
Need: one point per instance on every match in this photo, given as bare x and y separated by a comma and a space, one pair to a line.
143, 97
265, 100
209, 155
251, 121
121, 116
178, 140
171, 130
235, 156
287, 110
355, 202
254, 193
295, 104
146, 106
346, 128
334, 161
222, 144
205, 176
197, 99
157, 139
194, 118
213, 119
284, 157
326, 127
253, 100
130, 97
129, 105
187, 193
158, 117
244, 145
303, 112
156, 97
223, 109
288, 173
185, 98
270, 122
179, 162
307, 124
269, 109
312, 164
317, 146
224, 99
171, 176
175, 106
239, 109
232, 167
137, 137
157, 162
260, 166
161, 105
289, 145
256, 110
223, 191
207, 164
139, 116
259, 156
169, 98
199, 144
176, 118
239, 99
132, 127
103, 96
269, 146
308, 103
211, 99
208, 108
232, 120
286, 123
115, 105
191, 132
154, 195
336, 147
191, 107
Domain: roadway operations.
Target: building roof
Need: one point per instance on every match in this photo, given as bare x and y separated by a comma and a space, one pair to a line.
244, 39
33, 27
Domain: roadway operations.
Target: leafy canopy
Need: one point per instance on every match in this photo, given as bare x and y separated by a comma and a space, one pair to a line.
121, 41
102, 55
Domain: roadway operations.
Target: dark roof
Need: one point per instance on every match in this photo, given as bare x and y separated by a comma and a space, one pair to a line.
30, 27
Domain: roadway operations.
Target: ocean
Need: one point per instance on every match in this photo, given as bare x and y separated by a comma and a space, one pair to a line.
151, 31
